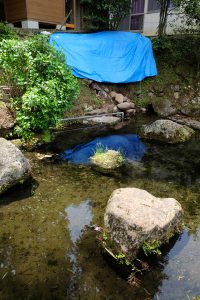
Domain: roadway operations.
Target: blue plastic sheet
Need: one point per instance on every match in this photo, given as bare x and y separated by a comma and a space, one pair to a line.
110, 56
129, 145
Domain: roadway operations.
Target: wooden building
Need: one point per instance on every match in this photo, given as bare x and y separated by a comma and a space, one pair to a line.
33, 12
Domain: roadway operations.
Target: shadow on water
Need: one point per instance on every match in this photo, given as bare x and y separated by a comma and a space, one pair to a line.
19, 192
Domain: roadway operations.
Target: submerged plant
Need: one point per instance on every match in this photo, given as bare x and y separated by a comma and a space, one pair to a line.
151, 248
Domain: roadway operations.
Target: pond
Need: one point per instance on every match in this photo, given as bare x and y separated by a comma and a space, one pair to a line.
48, 248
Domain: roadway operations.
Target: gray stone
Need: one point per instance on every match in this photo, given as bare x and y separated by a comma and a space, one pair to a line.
104, 120
191, 107
113, 94
119, 98
102, 94
115, 109
131, 111
99, 111
143, 110
134, 217
125, 106
150, 94
176, 88
167, 131
186, 121
14, 166
95, 86
7, 118
164, 107
176, 95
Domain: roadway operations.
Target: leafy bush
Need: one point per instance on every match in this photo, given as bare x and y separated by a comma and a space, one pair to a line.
6, 32
182, 49
43, 88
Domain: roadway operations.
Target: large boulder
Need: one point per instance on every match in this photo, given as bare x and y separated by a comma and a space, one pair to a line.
134, 217
14, 167
167, 131
164, 107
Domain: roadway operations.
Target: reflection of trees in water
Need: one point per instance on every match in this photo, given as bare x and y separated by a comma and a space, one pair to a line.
179, 163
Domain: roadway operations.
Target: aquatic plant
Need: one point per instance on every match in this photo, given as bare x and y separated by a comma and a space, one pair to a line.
107, 159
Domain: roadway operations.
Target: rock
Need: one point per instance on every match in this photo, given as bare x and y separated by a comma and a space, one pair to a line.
167, 131
110, 108
191, 107
104, 120
134, 217
113, 94
130, 112
164, 107
150, 94
119, 98
143, 110
176, 95
15, 167
186, 121
102, 94
95, 86
115, 109
105, 89
88, 108
107, 160
99, 111
126, 106
175, 88
7, 119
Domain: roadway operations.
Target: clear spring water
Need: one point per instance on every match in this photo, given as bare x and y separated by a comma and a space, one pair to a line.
48, 249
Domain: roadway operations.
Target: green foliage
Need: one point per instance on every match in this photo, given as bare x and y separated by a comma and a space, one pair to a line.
7, 33
151, 248
178, 49
43, 89
191, 10
105, 14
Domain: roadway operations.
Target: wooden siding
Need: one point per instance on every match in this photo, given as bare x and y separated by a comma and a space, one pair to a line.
15, 10
46, 11
49, 11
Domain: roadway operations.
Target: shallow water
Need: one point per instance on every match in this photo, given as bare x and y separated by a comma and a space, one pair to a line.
48, 248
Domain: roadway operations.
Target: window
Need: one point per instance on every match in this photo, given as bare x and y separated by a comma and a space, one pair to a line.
137, 15
153, 5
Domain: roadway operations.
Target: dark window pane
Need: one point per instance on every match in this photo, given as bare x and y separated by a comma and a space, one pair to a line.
137, 22
137, 7
153, 5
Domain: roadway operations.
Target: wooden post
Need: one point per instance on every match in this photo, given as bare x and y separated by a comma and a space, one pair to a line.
74, 9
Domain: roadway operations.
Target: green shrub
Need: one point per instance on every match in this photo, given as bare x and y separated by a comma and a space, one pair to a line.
7, 33
42, 87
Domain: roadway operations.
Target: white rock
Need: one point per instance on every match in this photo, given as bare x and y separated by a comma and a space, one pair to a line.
14, 167
119, 98
134, 216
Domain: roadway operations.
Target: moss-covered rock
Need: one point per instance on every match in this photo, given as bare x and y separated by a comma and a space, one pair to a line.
106, 161
167, 131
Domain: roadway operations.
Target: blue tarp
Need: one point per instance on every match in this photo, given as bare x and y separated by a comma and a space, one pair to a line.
110, 56
129, 145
